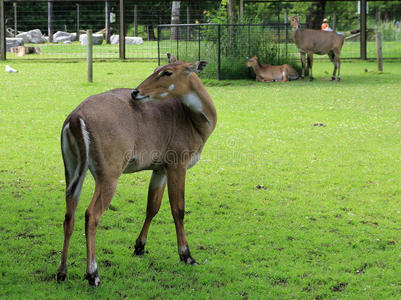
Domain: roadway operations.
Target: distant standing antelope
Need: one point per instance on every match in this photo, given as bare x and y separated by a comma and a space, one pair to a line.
125, 131
311, 41
269, 73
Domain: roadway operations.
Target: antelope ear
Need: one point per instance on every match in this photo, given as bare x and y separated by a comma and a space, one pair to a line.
197, 66
171, 58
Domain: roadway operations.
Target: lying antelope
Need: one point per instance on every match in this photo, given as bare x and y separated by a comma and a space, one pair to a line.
311, 41
268, 73
162, 126
23, 50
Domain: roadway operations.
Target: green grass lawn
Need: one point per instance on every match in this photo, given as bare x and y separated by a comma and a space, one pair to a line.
277, 208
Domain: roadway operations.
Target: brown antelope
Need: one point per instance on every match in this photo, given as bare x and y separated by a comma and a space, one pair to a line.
162, 126
311, 41
23, 50
268, 73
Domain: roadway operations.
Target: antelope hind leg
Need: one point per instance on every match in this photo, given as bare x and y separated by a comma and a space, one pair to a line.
155, 195
310, 65
104, 192
333, 60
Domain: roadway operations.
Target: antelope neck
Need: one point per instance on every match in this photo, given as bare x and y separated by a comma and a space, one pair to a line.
203, 112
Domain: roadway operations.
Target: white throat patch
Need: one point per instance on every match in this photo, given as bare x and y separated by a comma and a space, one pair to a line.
171, 87
193, 102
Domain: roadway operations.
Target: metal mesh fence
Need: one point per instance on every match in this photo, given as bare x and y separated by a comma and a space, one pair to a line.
103, 17
226, 47
59, 38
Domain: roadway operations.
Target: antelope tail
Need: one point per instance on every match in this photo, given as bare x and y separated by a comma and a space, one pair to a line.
75, 150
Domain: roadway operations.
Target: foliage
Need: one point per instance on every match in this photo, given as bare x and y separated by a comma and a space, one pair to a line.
390, 32
277, 208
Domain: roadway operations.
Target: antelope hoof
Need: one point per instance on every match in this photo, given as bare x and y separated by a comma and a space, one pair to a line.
338, 79
186, 257
61, 276
189, 260
302, 77
139, 249
332, 78
93, 279
311, 78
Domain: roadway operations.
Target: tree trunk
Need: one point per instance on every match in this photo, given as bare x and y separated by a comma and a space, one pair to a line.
175, 19
316, 14
230, 11
151, 33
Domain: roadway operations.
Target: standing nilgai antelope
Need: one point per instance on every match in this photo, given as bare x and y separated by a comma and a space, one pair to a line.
125, 131
311, 41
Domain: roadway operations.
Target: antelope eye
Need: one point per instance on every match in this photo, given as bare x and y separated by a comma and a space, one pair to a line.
166, 73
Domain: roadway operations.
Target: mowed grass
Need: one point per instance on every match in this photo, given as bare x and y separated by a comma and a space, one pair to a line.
277, 208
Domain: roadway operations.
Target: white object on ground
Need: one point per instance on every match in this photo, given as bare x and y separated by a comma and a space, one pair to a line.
10, 70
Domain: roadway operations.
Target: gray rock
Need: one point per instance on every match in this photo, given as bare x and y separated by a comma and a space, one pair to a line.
13, 42
61, 37
24, 36
35, 36
129, 40
97, 39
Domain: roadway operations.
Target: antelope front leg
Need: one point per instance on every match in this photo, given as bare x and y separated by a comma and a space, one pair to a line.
155, 195
303, 65
104, 192
176, 190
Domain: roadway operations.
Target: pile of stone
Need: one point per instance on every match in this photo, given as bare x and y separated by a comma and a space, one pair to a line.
34, 36
13, 42
64, 37
97, 39
129, 40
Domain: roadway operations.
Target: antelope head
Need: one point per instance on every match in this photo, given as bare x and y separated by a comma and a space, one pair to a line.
252, 62
295, 22
171, 80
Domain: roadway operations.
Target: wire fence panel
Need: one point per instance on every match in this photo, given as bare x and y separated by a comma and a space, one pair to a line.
58, 28
190, 43
64, 36
226, 47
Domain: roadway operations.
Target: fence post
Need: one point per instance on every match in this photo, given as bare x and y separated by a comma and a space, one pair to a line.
334, 21
218, 52
2, 31
178, 41
77, 21
379, 51
107, 25
122, 30
136, 20
379, 42
199, 42
286, 32
188, 20
249, 40
15, 19
158, 45
363, 30
50, 20
89, 60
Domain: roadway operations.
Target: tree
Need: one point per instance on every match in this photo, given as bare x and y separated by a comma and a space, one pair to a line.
175, 19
